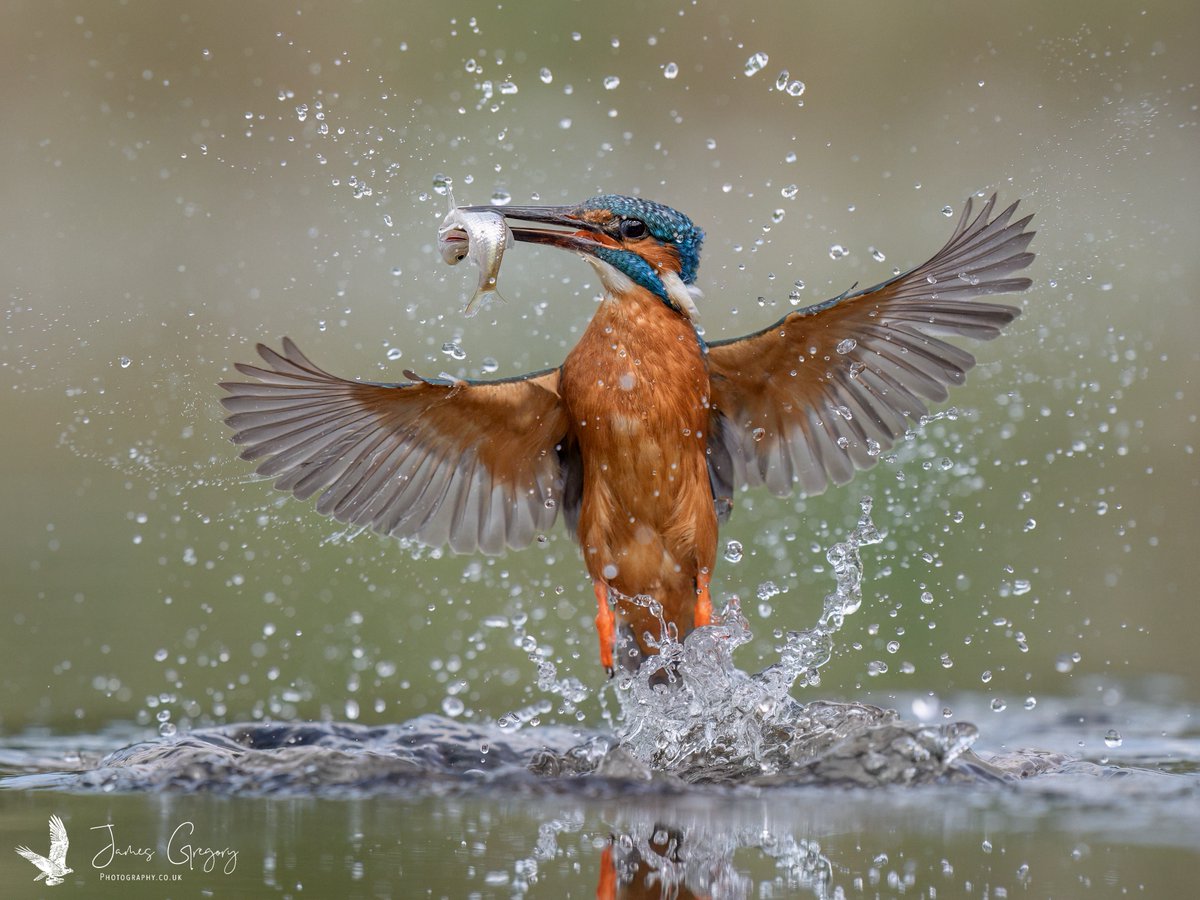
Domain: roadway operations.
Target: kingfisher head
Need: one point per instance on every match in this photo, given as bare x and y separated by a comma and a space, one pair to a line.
630, 241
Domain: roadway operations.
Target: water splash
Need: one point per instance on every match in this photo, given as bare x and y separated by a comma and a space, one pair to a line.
692, 712
688, 716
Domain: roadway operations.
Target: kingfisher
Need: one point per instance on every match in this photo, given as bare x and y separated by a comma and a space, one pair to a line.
644, 434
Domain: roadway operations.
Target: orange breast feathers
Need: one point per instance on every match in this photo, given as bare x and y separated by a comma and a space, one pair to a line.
636, 390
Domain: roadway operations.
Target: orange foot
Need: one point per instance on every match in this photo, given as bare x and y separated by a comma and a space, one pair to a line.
703, 601
606, 626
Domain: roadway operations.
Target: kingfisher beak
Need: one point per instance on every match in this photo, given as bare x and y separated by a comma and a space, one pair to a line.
578, 234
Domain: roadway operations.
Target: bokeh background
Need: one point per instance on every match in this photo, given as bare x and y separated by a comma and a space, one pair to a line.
181, 180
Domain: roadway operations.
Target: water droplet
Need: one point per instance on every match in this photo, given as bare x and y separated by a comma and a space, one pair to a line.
1030, 524
986, 676
546, 75
796, 89
877, 254
733, 551
454, 350
947, 662
167, 729
442, 184
947, 211
999, 705
837, 251
160, 655
611, 82
1030, 702
756, 62
759, 433
489, 365
777, 216
876, 667
508, 87
926, 597
501, 197
847, 345
789, 192
453, 707
782, 80
124, 362
767, 590
1112, 738
1064, 663
394, 353
893, 646
670, 70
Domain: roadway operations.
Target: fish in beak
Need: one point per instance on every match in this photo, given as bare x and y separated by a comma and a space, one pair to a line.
483, 233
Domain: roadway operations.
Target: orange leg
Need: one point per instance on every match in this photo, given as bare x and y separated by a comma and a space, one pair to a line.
606, 889
606, 626
703, 601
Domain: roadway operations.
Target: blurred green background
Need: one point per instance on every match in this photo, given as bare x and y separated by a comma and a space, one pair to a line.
182, 180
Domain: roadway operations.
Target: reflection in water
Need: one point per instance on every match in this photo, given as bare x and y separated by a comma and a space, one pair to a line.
546, 808
660, 861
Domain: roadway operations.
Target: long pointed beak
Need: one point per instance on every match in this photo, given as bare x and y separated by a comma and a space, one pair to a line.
578, 235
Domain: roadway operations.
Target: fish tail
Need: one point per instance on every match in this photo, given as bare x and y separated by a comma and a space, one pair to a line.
476, 303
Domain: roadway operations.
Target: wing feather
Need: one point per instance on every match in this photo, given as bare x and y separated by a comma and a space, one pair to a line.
460, 463
58, 840
826, 389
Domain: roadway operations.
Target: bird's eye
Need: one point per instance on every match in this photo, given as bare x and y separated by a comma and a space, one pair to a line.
633, 228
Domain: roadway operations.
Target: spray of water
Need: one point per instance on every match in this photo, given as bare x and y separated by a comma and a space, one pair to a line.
692, 712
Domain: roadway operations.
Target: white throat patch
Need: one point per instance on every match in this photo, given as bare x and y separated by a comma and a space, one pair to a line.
616, 283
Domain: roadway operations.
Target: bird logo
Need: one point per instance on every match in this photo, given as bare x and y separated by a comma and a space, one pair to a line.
53, 867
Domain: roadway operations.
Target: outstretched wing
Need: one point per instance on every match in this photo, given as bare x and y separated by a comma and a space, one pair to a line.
58, 841
827, 388
469, 464
36, 858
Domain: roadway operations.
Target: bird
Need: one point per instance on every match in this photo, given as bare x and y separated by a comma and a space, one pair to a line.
53, 867
644, 434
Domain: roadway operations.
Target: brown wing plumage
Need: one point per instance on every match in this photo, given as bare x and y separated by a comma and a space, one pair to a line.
827, 388
470, 464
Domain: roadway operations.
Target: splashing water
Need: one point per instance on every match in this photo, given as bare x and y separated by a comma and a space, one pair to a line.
691, 712
688, 715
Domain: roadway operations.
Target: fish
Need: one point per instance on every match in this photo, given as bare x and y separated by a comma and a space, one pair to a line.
482, 236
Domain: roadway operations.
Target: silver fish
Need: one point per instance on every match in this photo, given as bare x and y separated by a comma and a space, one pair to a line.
483, 236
